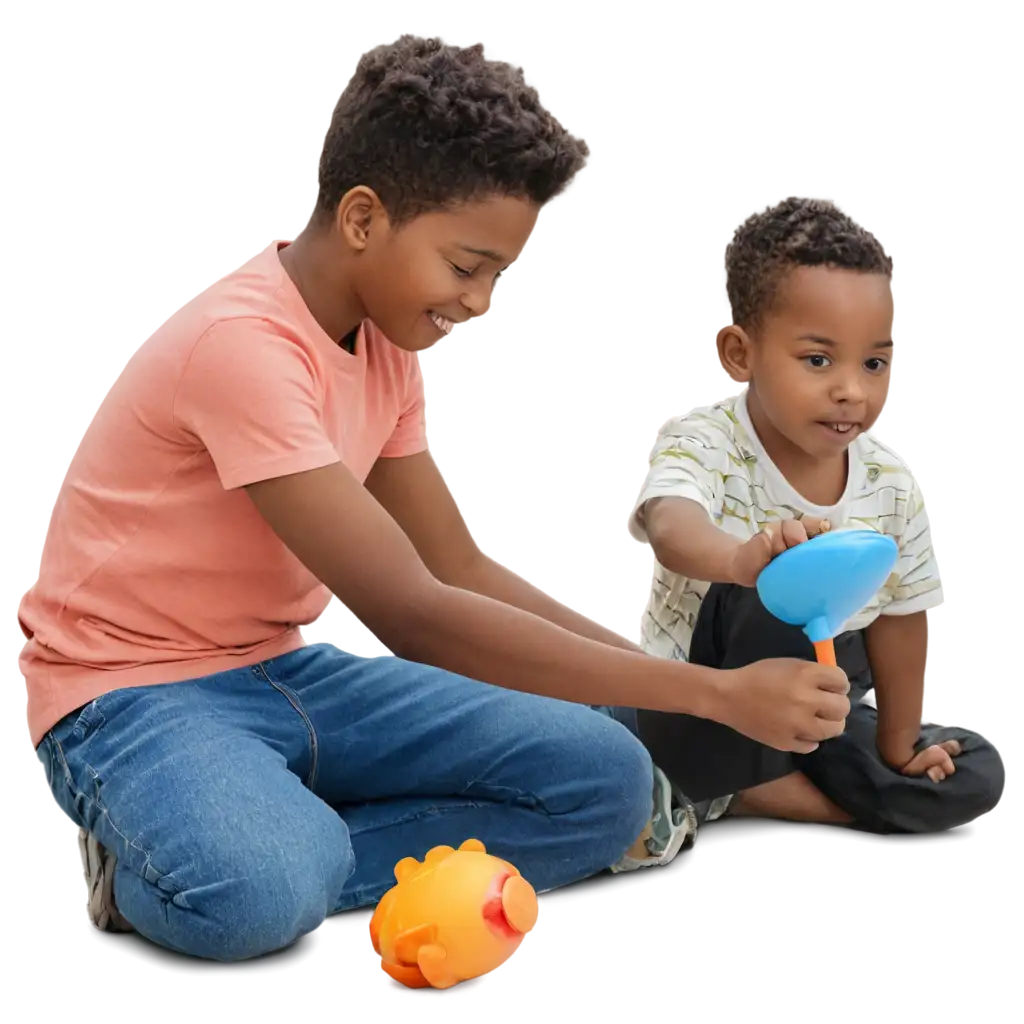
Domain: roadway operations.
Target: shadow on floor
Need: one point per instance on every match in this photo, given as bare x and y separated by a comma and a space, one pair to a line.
735, 865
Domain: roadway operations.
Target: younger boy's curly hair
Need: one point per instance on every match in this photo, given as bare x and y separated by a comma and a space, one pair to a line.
428, 126
795, 233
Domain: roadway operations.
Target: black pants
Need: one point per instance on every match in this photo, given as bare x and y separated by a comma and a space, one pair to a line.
705, 759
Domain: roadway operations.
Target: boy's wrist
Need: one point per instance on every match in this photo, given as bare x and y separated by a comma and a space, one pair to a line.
897, 746
713, 563
731, 572
698, 690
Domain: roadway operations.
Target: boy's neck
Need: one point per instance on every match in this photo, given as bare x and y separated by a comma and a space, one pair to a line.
821, 481
317, 270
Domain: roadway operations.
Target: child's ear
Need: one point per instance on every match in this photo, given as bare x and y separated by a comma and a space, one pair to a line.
358, 210
734, 353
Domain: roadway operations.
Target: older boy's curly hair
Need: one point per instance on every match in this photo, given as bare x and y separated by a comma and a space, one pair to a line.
796, 233
427, 126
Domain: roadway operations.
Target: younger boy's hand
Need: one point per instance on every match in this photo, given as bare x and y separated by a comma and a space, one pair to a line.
750, 558
935, 761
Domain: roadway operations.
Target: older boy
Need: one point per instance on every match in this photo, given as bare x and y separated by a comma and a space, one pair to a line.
265, 449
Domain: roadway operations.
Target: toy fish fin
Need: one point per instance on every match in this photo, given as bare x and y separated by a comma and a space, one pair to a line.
473, 846
433, 964
401, 974
407, 944
438, 853
405, 867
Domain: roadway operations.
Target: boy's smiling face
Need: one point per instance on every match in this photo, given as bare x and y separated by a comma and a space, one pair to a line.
818, 363
418, 279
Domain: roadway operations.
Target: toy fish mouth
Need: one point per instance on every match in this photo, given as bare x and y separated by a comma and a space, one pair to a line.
510, 910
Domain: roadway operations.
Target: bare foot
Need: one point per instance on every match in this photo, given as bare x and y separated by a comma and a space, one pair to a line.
793, 797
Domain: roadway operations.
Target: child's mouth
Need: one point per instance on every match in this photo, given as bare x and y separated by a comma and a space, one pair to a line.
442, 323
839, 429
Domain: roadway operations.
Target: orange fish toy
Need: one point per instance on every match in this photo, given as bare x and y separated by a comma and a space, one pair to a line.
457, 915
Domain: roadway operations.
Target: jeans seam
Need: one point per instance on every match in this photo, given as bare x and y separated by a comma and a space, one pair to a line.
101, 807
293, 698
68, 780
423, 812
77, 793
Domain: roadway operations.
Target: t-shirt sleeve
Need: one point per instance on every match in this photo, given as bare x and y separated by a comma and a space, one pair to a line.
689, 460
251, 397
915, 584
410, 434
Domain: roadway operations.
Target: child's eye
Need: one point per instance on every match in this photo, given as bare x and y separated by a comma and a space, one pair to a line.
876, 365
460, 271
818, 361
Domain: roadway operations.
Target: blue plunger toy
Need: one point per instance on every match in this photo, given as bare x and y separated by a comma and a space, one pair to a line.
820, 584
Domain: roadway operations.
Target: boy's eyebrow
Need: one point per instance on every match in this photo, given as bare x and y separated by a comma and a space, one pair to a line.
829, 343
487, 253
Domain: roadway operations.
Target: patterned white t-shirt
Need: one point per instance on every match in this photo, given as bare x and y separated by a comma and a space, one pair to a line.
713, 456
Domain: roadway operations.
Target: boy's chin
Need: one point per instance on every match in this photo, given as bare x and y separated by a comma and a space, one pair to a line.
417, 333
420, 335
821, 444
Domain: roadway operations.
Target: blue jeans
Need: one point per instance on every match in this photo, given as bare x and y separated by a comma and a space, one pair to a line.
245, 807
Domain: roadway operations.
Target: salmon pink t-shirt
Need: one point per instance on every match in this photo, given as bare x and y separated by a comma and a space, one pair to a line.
157, 566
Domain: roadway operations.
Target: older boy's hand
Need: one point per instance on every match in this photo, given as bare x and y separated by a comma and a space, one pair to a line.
785, 703
750, 558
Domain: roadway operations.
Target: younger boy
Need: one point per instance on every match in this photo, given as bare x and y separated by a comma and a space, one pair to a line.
733, 485
265, 448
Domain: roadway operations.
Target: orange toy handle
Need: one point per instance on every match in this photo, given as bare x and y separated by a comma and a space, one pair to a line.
825, 652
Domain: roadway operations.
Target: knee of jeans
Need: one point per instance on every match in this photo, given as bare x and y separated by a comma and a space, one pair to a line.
621, 782
286, 893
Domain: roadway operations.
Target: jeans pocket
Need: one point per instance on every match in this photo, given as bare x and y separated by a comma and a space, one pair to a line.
75, 743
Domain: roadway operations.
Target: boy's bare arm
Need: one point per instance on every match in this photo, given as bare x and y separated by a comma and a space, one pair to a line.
415, 494
897, 650
347, 539
344, 536
687, 542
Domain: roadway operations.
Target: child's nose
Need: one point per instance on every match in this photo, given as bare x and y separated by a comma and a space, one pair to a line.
848, 389
477, 298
